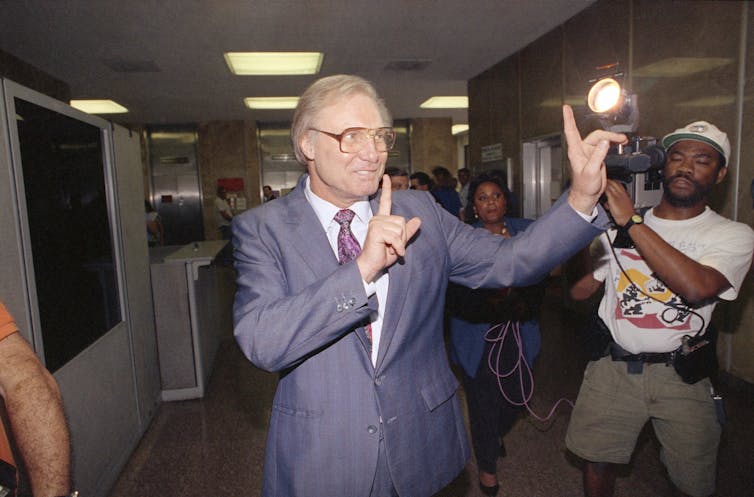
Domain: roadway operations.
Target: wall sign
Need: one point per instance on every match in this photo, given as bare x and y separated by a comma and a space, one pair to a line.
492, 153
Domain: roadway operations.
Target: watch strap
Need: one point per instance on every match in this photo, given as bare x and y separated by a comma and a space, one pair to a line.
634, 219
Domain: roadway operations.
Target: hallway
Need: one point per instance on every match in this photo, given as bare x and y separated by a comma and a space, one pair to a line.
215, 446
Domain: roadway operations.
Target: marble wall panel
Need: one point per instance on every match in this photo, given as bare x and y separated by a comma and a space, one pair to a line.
226, 149
542, 86
685, 70
432, 144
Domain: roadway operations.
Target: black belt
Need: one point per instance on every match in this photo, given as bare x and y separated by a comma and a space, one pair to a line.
618, 353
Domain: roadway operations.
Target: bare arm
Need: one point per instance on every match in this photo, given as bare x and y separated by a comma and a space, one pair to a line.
227, 215
582, 283
691, 280
35, 410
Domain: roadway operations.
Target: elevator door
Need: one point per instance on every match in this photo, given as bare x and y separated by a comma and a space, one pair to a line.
542, 175
175, 183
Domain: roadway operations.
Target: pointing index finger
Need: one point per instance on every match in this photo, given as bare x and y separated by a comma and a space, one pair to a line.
569, 126
386, 199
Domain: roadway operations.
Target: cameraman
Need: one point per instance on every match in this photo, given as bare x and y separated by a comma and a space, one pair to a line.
681, 258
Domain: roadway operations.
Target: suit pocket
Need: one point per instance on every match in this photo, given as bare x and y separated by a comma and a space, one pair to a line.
439, 391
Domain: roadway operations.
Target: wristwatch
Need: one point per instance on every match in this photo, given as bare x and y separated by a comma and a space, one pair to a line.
635, 219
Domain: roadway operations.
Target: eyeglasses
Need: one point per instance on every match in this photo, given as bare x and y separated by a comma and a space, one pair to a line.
353, 140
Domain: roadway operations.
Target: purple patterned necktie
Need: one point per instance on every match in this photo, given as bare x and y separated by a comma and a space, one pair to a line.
348, 246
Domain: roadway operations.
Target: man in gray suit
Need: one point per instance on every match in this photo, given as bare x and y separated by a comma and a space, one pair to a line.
366, 404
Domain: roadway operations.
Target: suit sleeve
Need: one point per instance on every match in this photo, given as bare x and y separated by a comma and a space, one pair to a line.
278, 321
481, 259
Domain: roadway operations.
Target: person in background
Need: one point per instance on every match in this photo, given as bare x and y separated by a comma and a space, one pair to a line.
474, 312
502, 178
464, 177
421, 181
340, 291
445, 191
35, 411
224, 213
155, 230
398, 178
268, 194
661, 284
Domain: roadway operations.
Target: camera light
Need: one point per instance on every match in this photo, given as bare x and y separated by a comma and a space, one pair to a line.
604, 95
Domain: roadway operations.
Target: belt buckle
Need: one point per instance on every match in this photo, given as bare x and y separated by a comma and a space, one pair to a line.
635, 366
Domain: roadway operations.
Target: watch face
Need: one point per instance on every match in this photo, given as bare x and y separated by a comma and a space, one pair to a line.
637, 218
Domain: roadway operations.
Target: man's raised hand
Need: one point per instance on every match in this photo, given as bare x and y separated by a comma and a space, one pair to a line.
387, 236
588, 173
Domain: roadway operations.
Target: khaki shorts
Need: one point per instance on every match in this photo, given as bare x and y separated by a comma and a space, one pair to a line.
613, 407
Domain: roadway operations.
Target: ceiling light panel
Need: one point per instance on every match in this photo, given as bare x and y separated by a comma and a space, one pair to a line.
98, 106
267, 103
273, 63
446, 103
459, 128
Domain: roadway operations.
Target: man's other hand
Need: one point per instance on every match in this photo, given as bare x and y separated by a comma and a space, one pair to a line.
387, 236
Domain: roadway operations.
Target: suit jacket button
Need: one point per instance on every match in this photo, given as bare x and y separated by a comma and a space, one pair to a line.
339, 307
378, 381
372, 429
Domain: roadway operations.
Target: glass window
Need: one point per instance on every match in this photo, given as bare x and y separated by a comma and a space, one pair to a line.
69, 227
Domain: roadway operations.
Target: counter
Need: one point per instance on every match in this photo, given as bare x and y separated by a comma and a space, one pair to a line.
193, 299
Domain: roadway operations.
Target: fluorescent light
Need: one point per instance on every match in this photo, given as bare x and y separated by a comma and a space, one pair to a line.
459, 128
446, 103
98, 106
273, 63
182, 137
271, 102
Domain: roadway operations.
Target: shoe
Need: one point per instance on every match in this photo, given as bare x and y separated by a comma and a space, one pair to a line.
491, 491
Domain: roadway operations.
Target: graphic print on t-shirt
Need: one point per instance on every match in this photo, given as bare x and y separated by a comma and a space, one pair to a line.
644, 300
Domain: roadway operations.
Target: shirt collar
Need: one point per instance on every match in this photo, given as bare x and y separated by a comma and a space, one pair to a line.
326, 211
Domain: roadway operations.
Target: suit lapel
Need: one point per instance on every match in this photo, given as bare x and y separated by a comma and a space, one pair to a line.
396, 295
305, 232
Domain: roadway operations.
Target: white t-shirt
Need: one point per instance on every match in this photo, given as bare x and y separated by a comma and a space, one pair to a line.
222, 206
654, 319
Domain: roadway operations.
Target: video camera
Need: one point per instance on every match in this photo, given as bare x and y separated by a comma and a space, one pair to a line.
637, 164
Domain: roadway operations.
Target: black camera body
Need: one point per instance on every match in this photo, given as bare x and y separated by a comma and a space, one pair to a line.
638, 166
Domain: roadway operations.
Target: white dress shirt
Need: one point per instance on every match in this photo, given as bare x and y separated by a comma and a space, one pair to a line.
325, 212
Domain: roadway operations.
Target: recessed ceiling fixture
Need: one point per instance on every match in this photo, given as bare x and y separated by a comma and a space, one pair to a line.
408, 65
273, 63
271, 102
98, 106
446, 103
459, 128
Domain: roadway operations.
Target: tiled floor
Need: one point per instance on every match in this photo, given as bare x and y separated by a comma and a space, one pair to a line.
214, 446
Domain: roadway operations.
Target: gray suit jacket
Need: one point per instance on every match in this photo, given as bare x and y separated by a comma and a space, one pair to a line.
298, 312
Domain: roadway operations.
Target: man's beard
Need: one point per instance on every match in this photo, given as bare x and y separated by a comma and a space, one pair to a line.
698, 194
